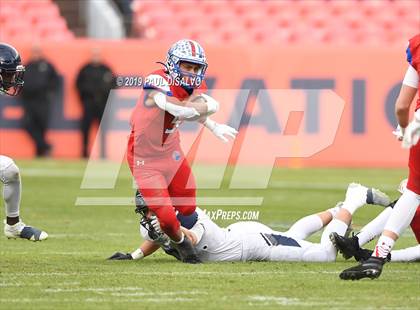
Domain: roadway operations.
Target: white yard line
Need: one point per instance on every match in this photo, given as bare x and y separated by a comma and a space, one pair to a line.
177, 273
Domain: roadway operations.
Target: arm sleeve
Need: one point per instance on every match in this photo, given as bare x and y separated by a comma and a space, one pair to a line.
411, 77
175, 110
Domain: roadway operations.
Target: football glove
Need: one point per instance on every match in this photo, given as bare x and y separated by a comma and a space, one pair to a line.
221, 130
412, 132
399, 133
121, 256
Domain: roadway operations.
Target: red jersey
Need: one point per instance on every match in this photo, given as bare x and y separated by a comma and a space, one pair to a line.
153, 130
413, 58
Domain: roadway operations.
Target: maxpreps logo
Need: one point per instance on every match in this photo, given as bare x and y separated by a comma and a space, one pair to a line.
220, 214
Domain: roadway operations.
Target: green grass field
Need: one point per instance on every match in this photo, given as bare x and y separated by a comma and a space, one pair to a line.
69, 270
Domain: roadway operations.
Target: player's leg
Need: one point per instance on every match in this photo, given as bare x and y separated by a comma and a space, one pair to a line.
310, 224
411, 254
153, 187
351, 246
415, 224
182, 187
356, 197
14, 227
400, 217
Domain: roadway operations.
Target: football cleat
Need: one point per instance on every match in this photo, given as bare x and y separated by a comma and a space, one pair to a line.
20, 230
348, 247
371, 268
376, 197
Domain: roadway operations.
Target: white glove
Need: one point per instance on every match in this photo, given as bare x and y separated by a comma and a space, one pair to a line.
221, 130
399, 133
412, 132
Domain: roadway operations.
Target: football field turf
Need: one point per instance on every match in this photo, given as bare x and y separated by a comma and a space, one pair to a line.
69, 270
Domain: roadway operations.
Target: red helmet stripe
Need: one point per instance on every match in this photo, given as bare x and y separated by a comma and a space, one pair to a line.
192, 48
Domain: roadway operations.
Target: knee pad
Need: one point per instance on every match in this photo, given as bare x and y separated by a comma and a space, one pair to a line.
9, 172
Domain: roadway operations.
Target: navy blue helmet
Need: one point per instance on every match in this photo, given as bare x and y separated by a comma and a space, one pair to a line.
11, 70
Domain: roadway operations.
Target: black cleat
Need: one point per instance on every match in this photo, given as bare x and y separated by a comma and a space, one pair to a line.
371, 268
362, 255
187, 251
349, 247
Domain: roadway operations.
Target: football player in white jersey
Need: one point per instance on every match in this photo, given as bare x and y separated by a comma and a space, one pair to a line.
253, 241
11, 82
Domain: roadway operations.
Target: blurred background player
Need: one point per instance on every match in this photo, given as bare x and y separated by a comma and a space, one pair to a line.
11, 82
94, 82
41, 86
404, 210
162, 173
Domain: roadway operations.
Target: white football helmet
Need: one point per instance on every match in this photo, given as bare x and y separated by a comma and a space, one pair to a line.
186, 51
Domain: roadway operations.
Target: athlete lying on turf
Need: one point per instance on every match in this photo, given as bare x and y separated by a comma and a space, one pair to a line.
351, 247
253, 241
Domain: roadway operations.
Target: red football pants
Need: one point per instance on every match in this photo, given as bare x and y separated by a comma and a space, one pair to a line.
415, 224
166, 184
413, 183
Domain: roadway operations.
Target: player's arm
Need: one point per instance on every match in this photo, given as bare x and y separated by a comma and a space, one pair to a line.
410, 132
221, 131
159, 94
146, 248
195, 233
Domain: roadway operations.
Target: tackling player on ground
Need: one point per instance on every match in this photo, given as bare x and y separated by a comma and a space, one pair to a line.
253, 241
404, 210
161, 171
11, 82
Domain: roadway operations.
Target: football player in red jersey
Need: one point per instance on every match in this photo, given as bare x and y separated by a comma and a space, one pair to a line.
162, 174
405, 209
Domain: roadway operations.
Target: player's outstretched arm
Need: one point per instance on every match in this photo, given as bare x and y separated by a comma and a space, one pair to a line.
221, 131
146, 248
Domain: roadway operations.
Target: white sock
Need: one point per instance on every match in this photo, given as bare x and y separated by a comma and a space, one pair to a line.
374, 228
383, 247
335, 225
305, 227
406, 255
11, 190
350, 207
403, 212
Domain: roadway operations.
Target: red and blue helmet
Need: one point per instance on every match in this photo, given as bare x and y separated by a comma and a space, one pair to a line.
186, 51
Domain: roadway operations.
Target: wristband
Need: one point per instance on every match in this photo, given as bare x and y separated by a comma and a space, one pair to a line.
210, 124
212, 105
137, 254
